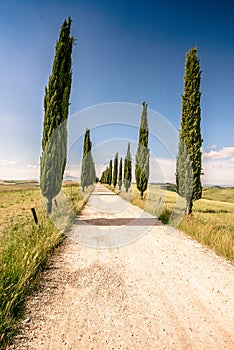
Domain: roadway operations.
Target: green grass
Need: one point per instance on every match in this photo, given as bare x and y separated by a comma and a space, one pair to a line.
24, 252
25, 247
212, 220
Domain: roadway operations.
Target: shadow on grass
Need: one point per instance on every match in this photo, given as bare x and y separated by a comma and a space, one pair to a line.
212, 211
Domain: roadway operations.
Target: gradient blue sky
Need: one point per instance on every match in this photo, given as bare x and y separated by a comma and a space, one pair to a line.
126, 51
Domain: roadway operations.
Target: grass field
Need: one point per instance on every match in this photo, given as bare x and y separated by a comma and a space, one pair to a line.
212, 221
25, 247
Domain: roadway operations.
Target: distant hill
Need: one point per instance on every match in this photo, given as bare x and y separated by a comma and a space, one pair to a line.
19, 182
70, 178
216, 193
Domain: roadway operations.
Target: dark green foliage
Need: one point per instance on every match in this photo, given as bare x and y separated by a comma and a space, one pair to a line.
105, 176
128, 169
110, 173
142, 155
120, 173
115, 172
88, 173
56, 104
102, 178
189, 166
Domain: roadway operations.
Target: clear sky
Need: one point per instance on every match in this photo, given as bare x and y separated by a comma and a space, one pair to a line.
126, 51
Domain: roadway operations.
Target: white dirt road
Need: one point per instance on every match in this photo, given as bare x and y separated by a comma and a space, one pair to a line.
161, 291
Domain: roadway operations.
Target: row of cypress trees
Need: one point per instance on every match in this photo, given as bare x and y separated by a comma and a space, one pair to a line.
116, 175
189, 159
54, 141
142, 161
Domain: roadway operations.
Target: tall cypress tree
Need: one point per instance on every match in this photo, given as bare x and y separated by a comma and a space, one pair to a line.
128, 169
115, 172
56, 104
189, 165
142, 155
110, 173
120, 173
88, 174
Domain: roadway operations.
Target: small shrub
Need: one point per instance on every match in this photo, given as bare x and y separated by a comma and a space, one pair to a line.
165, 216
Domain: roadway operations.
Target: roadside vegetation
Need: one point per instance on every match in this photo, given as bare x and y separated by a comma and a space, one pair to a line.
212, 220
25, 246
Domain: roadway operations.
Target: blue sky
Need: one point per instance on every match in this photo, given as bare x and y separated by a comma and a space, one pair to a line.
126, 51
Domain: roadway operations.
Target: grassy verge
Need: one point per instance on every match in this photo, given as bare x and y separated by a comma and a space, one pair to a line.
212, 224
25, 247
212, 221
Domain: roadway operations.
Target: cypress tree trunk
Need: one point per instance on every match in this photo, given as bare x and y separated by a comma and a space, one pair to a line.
49, 206
56, 104
189, 206
189, 166
142, 155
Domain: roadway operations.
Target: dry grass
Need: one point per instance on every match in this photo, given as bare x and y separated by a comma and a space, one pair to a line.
25, 247
16, 203
219, 193
212, 221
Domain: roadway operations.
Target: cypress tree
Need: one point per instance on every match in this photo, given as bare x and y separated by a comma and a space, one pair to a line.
88, 174
104, 177
107, 175
142, 155
128, 169
56, 104
110, 173
115, 172
189, 165
120, 173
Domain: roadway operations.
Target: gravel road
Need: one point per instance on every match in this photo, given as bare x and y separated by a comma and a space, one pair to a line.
106, 290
